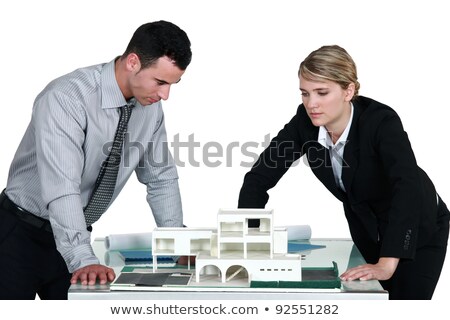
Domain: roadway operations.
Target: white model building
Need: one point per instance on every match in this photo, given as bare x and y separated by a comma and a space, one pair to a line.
233, 247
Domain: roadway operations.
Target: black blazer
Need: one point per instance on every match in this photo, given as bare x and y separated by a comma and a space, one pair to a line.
390, 203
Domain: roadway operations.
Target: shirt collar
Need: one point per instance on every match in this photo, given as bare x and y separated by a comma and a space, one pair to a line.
112, 97
324, 138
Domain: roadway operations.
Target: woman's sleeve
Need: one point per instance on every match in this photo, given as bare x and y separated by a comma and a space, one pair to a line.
399, 163
271, 165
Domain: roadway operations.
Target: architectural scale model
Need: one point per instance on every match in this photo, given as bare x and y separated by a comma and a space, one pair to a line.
233, 247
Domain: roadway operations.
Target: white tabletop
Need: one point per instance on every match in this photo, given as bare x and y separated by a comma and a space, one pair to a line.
341, 251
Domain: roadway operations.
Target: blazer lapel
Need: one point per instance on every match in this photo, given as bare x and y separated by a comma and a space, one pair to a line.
351, 151
320, 163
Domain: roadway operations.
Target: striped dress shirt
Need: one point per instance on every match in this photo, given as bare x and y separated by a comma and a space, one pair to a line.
54, 170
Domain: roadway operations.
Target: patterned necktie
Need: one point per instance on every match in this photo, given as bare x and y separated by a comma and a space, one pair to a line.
106, 180
336, 163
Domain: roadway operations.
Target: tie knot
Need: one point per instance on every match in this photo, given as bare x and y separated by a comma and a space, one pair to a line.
131, 103
126, 110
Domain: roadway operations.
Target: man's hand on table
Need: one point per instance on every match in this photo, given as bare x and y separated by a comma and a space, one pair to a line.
88, 275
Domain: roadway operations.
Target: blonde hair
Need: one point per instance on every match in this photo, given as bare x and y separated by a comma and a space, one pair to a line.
331, 63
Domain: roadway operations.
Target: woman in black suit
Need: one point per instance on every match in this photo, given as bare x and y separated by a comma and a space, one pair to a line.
358, 149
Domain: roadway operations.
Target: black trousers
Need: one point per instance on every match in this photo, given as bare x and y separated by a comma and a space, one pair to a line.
30, 264
416, 279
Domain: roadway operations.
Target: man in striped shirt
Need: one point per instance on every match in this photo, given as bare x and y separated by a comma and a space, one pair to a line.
44, 237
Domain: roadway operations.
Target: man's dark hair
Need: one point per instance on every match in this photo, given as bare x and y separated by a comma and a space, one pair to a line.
154, 40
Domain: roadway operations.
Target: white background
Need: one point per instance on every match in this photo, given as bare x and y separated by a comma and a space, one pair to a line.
241, 85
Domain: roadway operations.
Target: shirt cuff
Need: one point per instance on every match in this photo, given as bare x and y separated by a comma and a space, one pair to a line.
79, 257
